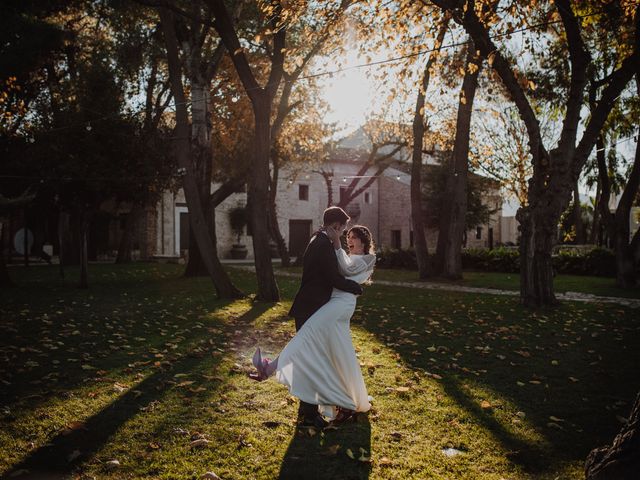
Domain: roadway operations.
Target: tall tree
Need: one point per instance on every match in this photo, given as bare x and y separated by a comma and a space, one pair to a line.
200, 225
419, 128
262, 103
452, 226
554, 171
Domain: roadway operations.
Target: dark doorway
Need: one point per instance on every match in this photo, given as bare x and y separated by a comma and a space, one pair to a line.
184, 232
299, 234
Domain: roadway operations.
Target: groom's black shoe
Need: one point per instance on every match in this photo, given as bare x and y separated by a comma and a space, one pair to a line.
315, 422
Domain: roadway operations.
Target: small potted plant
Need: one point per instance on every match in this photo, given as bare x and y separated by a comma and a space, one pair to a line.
238, 220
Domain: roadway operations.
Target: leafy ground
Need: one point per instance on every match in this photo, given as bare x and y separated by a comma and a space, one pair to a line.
145, 362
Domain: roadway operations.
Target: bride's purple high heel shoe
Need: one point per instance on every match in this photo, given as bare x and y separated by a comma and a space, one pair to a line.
261, 366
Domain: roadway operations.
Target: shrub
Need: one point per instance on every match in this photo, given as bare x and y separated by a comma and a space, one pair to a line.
575, 261
596, 261
397, 258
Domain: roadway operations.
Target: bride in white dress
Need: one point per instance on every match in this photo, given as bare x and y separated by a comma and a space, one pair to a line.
319, 365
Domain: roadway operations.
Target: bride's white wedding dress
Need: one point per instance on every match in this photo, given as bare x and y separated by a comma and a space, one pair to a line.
319, 365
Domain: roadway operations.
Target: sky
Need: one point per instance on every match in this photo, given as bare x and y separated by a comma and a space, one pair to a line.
351, 95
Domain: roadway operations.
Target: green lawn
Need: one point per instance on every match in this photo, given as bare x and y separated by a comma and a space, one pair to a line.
146, 362
601, 286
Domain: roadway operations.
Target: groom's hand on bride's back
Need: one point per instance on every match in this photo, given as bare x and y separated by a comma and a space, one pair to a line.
357, 288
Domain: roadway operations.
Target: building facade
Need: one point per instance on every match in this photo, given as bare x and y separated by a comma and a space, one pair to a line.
303, 195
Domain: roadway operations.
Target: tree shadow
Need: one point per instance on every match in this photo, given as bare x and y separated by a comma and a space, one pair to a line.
32, 336
74, 446
525, 358
533, 458
311, 457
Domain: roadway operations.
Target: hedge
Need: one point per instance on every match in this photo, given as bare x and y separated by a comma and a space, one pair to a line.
595, 261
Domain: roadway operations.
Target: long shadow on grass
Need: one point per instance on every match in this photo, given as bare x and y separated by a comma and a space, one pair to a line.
69, 449
99, 344
312, 458
74, 446
496, 344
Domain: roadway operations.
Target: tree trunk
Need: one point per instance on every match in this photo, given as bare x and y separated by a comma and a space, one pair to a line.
83, 226
69, 243
261, 101
620, 460
577, 215
128, 233
62, 219
595, 227
625, 255
258, 195
25, 238
274, 227
221, 282
536, 244
454, 211
201, 154
417, 217
5, 280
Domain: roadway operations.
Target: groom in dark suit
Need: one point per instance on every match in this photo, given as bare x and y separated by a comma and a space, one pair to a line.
320, 276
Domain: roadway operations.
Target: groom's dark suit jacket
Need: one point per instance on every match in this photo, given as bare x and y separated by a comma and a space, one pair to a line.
319, 276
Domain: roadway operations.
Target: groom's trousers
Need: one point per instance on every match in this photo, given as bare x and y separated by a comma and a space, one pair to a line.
308, 410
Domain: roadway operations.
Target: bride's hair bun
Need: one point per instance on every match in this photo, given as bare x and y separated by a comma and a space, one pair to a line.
365, 237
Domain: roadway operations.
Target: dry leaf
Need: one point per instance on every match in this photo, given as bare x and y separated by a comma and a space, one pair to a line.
333, 449
185, 383
209, 476
201, 442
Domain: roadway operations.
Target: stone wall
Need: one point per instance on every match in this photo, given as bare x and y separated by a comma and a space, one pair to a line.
388, 209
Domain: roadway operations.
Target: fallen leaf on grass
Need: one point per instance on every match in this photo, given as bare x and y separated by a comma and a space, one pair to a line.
185, 383
363, 456
485, 405
209, 476
384, 462
201, 442
402, 389
72, 427
332, 450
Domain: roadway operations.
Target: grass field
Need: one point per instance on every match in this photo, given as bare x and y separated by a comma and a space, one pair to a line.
601, 286
120, 380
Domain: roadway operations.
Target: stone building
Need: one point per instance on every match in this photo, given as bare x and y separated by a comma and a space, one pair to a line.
302, 196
